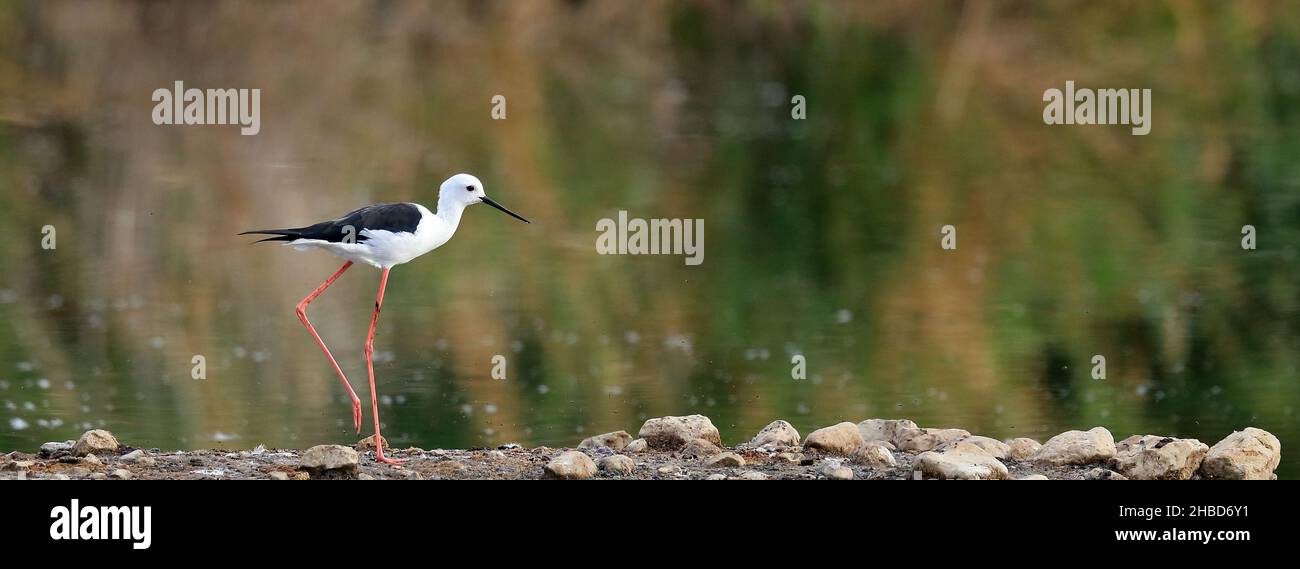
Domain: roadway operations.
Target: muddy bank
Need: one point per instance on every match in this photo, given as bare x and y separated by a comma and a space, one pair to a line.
689, 448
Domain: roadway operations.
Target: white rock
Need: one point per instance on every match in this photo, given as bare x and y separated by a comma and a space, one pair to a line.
570, 465
671, 433
95, 441
874, 454
1033, 477
1077, 447
617, 464
1151, 457
133, 456
1022, 448
752, 475
716, 476
922, 440
121, 474
331, 457
883, 429
777, 434
995, 448
636, 446
617, 440
841, 439
1250, 454
91, 459
835, 470
279, 475
962, 461
51, 449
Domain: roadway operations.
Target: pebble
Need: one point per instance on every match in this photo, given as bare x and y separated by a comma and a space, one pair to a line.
835, 470
726, 460
699, 448
1152, 457
883, 429
1077, 447
961, 461
637, 446
669, 470
752, 475
95, 441
1022, 448
922, 440
1103, 474
617, 440
875, 455
671, 433
279, 475
570, 465
368, 443
92, 459
777, 434
330, 457
54, 449
995, 448
790, 457
121, 474
841, 439
133, 456
617, 464
1249, 454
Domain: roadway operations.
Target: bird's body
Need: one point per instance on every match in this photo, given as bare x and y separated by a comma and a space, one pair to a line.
382, 236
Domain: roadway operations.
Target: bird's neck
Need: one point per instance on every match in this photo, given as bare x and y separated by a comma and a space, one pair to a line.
450, 212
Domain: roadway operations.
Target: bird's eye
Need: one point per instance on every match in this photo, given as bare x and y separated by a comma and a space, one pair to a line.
469, 188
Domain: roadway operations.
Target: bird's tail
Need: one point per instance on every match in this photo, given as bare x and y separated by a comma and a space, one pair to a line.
279, 234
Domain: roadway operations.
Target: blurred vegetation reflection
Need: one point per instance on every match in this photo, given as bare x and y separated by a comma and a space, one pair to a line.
822, 235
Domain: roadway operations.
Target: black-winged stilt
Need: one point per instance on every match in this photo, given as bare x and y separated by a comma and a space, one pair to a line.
382, 236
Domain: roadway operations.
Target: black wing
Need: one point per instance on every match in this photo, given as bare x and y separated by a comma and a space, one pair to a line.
395, 217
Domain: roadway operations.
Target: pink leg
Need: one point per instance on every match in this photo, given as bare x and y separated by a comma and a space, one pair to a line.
370, 367
302, 315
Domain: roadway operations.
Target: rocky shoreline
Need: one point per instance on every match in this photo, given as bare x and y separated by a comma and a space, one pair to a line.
690, 447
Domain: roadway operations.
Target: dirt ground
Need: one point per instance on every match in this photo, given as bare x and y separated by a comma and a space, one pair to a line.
505, 463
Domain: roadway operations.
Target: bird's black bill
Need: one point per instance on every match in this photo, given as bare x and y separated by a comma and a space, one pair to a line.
488, 201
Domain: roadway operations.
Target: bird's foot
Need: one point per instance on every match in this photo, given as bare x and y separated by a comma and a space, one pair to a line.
379, 457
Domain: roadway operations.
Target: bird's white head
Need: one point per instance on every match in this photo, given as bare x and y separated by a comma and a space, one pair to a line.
463, 190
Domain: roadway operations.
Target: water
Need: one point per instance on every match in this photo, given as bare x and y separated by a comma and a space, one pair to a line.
822, 235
